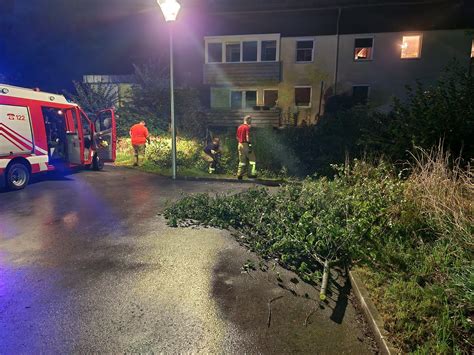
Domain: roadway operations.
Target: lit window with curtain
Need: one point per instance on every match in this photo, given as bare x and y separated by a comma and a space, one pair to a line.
411, 47
363, 48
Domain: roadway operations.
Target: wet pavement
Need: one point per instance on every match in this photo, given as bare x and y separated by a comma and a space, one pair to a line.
88, 265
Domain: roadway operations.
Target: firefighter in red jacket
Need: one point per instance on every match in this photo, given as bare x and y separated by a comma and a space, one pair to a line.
246, 154
140, 137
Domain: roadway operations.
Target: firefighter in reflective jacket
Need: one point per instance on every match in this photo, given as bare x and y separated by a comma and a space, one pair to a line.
246, 154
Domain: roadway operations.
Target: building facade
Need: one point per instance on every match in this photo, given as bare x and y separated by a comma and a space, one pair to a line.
287, 80
117, 86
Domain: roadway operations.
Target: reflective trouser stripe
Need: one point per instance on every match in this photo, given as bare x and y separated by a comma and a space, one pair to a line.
253, 168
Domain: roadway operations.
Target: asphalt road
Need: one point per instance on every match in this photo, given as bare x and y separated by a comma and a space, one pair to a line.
88, 265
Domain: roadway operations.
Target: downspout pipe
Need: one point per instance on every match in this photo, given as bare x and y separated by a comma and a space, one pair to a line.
336, 69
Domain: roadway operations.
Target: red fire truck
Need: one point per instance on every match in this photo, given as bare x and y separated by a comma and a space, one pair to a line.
42, 132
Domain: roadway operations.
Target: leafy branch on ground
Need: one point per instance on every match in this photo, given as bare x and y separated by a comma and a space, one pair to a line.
412, 237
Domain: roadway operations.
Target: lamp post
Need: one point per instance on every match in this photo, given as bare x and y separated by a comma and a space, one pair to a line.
170, 9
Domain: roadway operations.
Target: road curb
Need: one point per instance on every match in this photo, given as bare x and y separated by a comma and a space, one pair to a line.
271, 183
373, 317
236, 181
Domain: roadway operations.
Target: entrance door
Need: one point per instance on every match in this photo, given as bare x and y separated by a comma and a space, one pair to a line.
105, 135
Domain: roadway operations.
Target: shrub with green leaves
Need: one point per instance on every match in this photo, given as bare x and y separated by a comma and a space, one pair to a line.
420, 273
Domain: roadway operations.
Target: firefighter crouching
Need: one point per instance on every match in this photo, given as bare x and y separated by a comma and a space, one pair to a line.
212, 154
246, 154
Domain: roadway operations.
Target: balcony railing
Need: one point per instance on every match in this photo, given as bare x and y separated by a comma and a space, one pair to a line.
240, 74
233, 118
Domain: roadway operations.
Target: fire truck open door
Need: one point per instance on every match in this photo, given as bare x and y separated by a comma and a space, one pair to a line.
74, 138
105, 135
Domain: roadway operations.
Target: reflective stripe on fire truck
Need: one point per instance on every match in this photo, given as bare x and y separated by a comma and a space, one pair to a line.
41, 160
4, 163
19, 139
37, 162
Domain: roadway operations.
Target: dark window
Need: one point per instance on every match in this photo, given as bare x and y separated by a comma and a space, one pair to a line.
236, 100
103, 121
250, 99
214, 52
268, 51
270, 98
249, 51
232, 52
363, 48
360, 94
304, 51
303, 96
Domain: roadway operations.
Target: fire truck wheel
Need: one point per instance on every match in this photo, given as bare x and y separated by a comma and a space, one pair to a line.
97, 163
17, 176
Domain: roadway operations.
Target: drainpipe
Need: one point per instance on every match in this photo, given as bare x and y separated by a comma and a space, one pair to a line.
320, 99
339, 11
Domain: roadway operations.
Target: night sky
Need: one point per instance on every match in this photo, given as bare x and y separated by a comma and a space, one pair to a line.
49, 43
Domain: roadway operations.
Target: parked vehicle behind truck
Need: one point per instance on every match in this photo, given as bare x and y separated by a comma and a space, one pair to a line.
42, 132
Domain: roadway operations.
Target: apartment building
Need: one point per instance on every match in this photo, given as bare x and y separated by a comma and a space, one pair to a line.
117, 86
288, 80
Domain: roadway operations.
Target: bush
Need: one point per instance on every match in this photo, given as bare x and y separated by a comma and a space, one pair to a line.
444, 111
414, 238
150, 101
158, 152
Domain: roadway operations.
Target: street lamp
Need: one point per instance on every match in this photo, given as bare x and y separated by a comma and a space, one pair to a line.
170, 9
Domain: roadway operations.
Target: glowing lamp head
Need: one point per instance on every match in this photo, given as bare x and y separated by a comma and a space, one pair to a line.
170, 9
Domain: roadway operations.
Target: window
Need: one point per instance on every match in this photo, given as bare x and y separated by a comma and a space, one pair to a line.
411, 47
250, 99
249, 50
232, 52
270, 98
242, 49
472, 49
304, 51
240, 99
214, 53
363, 48
360, 94
268, 51
236, 100
303, 96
